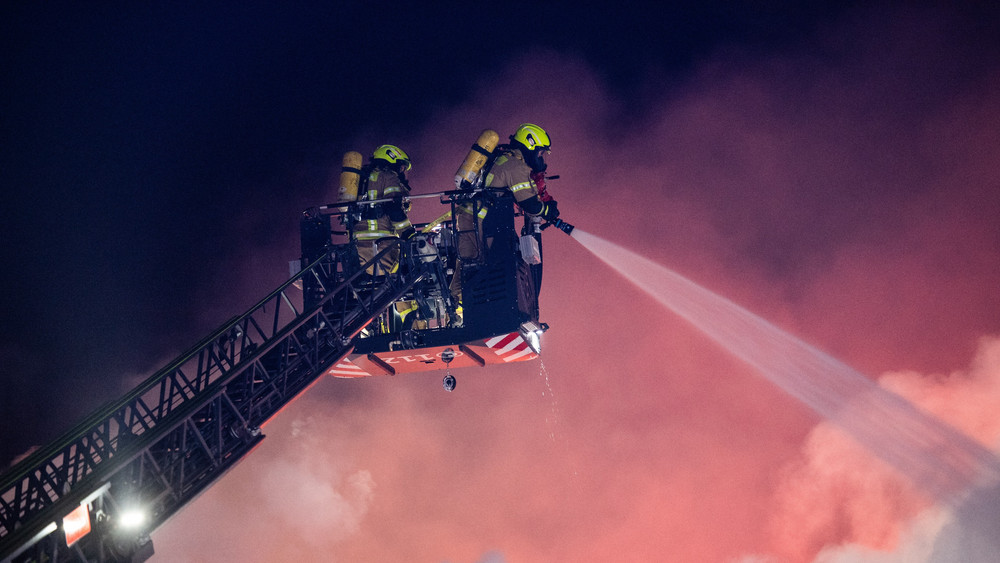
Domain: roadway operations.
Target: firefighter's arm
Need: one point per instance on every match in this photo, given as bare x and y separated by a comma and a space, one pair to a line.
397, 214
533, 201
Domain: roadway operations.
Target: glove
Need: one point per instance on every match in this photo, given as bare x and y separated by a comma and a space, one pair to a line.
550, 211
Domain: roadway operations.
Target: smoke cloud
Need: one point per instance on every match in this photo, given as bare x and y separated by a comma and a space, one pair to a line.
840, 493
845, 188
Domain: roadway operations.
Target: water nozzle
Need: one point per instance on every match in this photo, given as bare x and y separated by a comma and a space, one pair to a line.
563, 226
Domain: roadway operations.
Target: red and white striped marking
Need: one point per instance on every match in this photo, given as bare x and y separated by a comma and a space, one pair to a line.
345, 368
511, 347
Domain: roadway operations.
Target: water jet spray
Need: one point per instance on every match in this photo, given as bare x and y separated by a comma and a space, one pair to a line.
939, 459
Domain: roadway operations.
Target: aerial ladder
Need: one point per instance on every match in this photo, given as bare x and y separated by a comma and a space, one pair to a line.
97, 492
185, 426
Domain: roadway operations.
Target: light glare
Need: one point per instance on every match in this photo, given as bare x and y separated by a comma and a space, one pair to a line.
132, 518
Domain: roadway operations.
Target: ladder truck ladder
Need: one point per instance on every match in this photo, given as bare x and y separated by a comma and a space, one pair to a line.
175, 434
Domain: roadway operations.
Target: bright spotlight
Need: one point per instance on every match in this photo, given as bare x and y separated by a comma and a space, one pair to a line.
132, 518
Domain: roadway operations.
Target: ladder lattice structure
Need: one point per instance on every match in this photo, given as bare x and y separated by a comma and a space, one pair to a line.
185, 426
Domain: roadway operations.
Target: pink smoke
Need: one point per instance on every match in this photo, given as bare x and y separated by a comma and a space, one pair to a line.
815, 187
838, 493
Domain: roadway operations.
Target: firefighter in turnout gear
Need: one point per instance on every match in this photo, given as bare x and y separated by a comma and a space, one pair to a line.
381, 222
520, 168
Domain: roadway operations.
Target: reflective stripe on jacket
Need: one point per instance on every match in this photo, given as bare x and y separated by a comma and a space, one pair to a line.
383, 183
512, 172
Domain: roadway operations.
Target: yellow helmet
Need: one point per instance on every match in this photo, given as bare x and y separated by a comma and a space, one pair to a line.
393, 155
532, 137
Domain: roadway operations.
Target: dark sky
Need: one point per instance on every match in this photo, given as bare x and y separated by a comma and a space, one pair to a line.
831, 166
135, 134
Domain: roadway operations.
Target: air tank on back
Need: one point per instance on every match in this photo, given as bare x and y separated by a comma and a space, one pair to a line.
350, 177
468, 173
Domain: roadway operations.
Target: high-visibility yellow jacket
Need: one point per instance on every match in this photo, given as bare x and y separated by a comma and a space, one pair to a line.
382, 219
510, 171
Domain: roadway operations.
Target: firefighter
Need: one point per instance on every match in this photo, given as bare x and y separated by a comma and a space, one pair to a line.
520, 168
381, 222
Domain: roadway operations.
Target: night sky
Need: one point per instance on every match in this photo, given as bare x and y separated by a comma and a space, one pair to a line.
832, 167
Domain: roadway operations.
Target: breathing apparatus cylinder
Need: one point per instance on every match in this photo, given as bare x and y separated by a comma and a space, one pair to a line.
476, 159
350, 177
